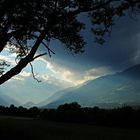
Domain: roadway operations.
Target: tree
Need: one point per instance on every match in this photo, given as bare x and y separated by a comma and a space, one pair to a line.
69, 106
40, 21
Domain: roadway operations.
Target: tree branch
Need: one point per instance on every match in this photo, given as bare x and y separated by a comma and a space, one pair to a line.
81, 10
32, 70
39, 55
49, 50
23, 62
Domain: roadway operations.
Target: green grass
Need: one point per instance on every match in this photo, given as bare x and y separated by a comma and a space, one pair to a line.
29, 129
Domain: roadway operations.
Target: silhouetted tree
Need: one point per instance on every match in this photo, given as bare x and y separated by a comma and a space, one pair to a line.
23, 111
26, 25
12, 110
33, 112
69, 106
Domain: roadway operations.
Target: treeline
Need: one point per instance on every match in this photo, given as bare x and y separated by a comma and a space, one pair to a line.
125, 116
20, 111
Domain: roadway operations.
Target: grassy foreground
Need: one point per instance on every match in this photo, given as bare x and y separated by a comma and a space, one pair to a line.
28, 129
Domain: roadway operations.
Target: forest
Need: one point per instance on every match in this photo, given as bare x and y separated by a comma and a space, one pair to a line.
125, 116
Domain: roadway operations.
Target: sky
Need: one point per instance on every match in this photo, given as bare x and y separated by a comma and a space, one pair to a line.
63, 70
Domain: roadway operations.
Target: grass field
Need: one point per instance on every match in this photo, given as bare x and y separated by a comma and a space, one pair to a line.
29, 129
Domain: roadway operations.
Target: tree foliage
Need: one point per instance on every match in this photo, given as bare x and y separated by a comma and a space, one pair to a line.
26, 25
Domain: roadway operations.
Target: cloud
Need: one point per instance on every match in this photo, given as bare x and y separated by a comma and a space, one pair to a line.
51, 72
136, 58
22, 76
59, 74
25, 74
120, 51
7, 58
44, 77
90, 74
95, 72
136, 55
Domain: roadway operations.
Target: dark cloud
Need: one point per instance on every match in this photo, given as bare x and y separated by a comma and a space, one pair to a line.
120, 51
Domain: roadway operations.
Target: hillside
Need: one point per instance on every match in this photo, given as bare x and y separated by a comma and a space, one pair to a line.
110, 90
7, 101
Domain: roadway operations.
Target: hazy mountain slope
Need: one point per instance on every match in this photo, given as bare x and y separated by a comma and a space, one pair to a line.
2, 101
7, 101
119, 88
56, 96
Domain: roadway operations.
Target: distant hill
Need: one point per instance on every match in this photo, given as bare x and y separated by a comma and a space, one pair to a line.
7, 101
110, 90
55, 96
29, 104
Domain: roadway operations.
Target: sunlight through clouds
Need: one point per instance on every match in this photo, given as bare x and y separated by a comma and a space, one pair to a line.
48, 71
60, 73
21, 76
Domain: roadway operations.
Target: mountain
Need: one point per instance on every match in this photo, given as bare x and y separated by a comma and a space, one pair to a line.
7, 101
56, 96
110, 90
29, 104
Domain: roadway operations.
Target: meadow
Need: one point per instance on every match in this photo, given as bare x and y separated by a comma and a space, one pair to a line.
16, 128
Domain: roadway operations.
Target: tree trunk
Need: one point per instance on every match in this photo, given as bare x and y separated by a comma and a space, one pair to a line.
23, 62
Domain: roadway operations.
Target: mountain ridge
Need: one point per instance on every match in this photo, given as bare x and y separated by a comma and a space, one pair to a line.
120, 88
